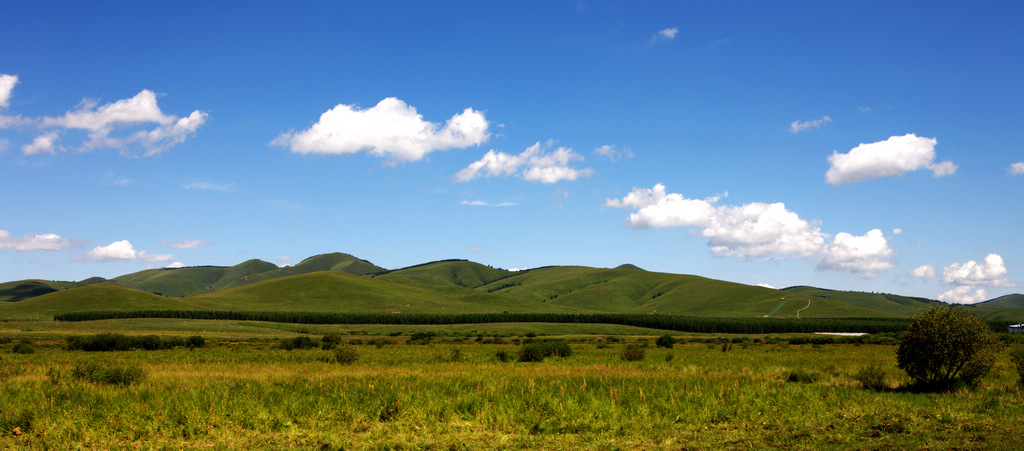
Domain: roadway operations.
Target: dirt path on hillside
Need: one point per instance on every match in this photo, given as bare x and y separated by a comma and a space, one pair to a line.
805, 308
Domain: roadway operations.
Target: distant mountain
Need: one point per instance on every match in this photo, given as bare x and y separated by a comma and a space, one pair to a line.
463, 273
23, 289
91, 297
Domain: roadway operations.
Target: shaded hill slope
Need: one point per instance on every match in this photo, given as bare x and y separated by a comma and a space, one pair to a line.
461, 273
92, 297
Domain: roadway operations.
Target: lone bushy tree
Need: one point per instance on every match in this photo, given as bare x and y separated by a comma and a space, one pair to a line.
946, 347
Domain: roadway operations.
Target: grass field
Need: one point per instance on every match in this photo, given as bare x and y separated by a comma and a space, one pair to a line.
455, 393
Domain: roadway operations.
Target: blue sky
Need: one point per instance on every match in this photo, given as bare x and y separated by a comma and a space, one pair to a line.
874, 148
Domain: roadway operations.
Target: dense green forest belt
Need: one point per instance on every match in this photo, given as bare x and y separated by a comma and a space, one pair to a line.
666, 322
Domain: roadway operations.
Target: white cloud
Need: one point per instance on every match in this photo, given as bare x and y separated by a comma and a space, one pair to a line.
7, 83
867, 255
4, 145
175, 265
665, 34
124, 251
477, 248
765, 285
44, 242
283, 261
209, 186
922, 272
894, 156
534, 164
757, 230
185, 243
42, 144
390, 129
797, 126
612, 153
1016, 168
963, 295
991, 273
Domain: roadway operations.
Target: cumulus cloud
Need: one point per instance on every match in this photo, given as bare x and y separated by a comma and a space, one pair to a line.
992, 273
534, 164
175, 265
125, 124
391, 129
766, 285
867, 255
922, 272
185, 243
756, 230
964, 295
894, 156
1016, 168
613, 153
798, 126
44, 242
124, 251
7, 83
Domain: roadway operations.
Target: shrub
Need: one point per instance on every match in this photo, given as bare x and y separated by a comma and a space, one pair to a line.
665, 341
420, 338
110, 374
538, 350
633, 352
195, 341
378, 342
300, 342
1017, 357
872, 377
946, 347
346, 355
22, 348
502, 356
802, 377
329, 341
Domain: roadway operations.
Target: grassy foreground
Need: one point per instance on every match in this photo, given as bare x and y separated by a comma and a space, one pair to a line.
250, 395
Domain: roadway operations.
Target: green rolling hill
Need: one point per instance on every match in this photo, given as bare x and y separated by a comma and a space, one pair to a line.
338, 282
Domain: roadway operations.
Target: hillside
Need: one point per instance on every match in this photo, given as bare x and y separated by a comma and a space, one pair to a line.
631, 290
92, 297
23, 289
1008, 301
332, 291
890, 303
462, 273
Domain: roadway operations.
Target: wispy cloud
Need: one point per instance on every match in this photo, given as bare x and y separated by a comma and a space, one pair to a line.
666, 34
209, 186
613, 153
798, 126
480, 203
185, 243
1016, 168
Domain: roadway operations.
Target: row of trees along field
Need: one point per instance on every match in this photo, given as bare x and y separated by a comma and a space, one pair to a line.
664, 322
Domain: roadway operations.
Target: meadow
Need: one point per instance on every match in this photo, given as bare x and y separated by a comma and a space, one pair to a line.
466, 389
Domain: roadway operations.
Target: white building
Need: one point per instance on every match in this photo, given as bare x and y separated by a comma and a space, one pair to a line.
1015, 328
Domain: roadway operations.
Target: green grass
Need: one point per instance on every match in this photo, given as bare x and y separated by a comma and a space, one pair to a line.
896, 305
92, 297
453, 272
23, 289
241, 395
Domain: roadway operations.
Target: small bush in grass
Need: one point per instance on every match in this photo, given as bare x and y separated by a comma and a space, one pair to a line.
420, 338
802, 377
195, 341
300, 342
502, 356
726, 347
872, 377
346, 355
665, 341
538, 350
110, 374
22, 348
355, 341
633, 352
378, 342
1017, 357
453, 355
